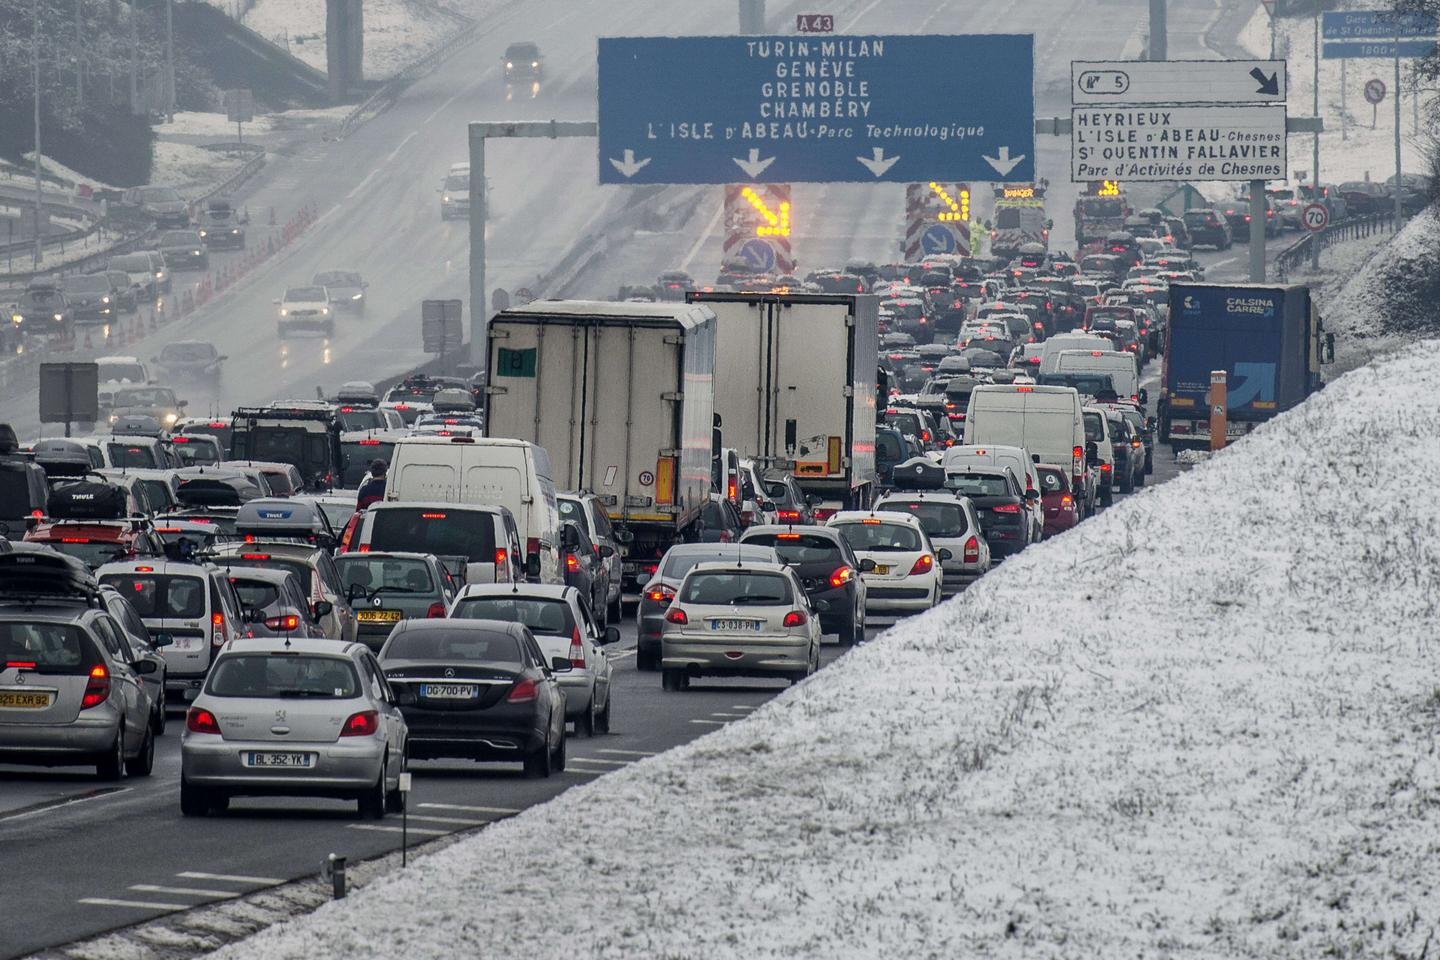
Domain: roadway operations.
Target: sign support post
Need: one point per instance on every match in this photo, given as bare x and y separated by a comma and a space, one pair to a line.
1315, 165
1218, 412
1399, 204
1259, 224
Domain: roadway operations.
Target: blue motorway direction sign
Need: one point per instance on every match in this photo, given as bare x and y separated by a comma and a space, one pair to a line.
937, 238
816, 109
758, 255
1377, 49
1376, 25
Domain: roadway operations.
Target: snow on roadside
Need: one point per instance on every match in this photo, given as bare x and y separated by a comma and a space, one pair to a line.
191, 169
1391, 299
213, 125
1201, 724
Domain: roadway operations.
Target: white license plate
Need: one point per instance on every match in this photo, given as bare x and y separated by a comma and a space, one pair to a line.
448, 691
752, 626
300, 760
187, 644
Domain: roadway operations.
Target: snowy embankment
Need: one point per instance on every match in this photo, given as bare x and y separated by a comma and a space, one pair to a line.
1200, 725
1395, 294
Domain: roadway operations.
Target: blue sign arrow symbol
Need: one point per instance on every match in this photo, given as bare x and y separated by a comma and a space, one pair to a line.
1256, 382
758, 255
629, 166
754, 166
937, 239
877, 163
1004, 163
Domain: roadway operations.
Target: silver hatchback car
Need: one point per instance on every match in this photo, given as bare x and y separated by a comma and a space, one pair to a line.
293, 717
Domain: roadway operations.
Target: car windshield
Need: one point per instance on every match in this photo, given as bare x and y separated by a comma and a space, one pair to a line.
737, 587
337, 278
41, 295
51, 647
187, 351
145, 397
360, 418
441, 531
374, 574
936, 519
131, 263
86, 284
543, 615
304, 294
160, 596
1094, 427
905, 309
449, 646
1007, 218
338, 512
111, 370
879, 536
800, 548
977, 484
777, 490
1101, 206
457, 183
522, 51
132, 455
159, 195
276, 675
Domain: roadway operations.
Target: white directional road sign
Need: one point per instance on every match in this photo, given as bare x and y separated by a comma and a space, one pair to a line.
1177, 81
1148, 144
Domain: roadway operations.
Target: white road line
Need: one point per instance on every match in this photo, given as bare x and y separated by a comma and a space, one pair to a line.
230, 878
63, 805
621, 654
380, 828
472, 809
742, 706
1221, 263
183, 891
585, 773
717, 723
608, 763
138, 904
463, 821
381, 165
732, 716
631, 753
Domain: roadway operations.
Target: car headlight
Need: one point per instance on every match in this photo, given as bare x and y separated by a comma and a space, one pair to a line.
358, 296
113, 418
171, 418
509, 65
59, 317
324, 311
195, 253
236, 231
445, 199
16, 318
104, 299
534, 63
159, 274
203, 234
284, 312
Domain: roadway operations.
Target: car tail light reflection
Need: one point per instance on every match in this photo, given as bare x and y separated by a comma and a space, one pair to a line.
217, 626
362, 724
795, 618
198, 720
97, 687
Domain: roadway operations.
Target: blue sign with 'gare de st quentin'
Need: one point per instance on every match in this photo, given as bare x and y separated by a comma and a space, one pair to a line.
796, 109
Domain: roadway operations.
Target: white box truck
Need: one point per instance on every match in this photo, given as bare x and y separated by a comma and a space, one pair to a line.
795, 384
621, 396
1047, 421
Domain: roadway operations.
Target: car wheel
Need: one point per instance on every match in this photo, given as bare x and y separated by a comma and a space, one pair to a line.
1127, 483
371, 803
112, 765
557, 760
672, 680
586, 723
615, 612
1107, 498
539, 764
157, 723
602, 719
194, 801
143, 762
395, 799
1140, 480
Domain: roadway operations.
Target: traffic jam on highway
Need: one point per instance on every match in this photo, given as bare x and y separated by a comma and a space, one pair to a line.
626, 522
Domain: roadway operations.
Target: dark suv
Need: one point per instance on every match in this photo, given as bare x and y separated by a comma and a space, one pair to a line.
43, 309
1208, 227
523, 63
827, 568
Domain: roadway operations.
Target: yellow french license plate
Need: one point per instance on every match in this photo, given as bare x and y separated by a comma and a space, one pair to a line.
378, 616
16, 700
882, 568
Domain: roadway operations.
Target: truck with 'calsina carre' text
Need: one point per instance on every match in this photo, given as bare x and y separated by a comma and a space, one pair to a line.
1269, 340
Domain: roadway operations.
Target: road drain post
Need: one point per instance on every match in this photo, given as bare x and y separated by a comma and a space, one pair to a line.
332, 868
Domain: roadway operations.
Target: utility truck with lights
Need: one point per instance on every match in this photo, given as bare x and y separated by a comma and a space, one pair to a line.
1269, 340
1101, 209
621, 396
1019, 218
795, 388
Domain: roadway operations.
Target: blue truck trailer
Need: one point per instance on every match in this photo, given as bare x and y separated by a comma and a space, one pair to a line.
1268, 339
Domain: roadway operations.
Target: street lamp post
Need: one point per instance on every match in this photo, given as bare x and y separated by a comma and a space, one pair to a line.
35, 78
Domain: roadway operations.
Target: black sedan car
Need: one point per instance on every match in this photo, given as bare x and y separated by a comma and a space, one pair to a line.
1000, 505
829, 571
479, 690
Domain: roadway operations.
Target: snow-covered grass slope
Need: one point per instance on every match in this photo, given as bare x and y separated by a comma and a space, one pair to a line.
1396, 292
1200, 725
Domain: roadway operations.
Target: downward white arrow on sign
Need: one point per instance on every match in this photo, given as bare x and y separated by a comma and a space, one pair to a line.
629, 166
1004, 163
754, 166
877, 163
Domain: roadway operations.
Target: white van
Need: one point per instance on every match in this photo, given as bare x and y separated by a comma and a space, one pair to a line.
1119, 365
958, 459
514, 474
1097, 431
1051, 347
486, 536
1046, 421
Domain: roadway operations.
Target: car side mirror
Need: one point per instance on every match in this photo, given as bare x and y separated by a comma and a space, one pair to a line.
161, 640
609, 636
624, 536
1144, 396
569, 539
560, 664
251, 615
1032, 495
606, 551
532, 565
867, 565
322, 608
223, 356
944, 554
144, 666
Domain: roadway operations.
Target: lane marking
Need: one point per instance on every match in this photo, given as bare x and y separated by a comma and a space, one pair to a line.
611, 763
379, 828
229, 878
732, 716
463, 821
585, 773
137, 904
183, 891
1221, 263
98, 794
742, 706
717, 723
622, 654
472, 809
380, 166
631, 753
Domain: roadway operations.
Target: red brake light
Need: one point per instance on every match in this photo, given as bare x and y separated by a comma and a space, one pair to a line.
179, 439
97, 687
577, 649
972, 550
347, 409
501, 556
1024, 389
1067, 501
432, 516
218, 423
1104, 468
287, 622
1007, 508
795, 618
532, 545
201, 721
676, 615
362, 724
842, 576
369, 443
436, 611
74, 539
523, 692
20, 664
254, 556
923, 564
661, 594
788, 516
572, 563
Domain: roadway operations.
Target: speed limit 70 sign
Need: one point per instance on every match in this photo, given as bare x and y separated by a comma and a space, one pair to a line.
1315, 216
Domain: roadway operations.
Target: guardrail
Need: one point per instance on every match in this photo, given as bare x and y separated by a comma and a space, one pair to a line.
1351, 228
